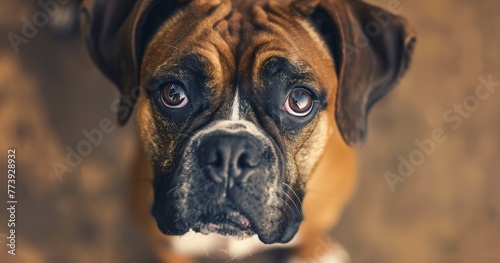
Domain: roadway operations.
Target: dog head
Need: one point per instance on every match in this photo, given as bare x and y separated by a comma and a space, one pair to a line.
237, 99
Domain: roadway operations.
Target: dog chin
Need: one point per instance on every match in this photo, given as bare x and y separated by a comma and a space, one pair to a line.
233, 224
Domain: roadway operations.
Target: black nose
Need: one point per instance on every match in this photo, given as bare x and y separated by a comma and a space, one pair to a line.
230, 158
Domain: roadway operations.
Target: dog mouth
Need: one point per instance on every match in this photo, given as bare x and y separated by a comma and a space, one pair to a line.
270, 227
228, 223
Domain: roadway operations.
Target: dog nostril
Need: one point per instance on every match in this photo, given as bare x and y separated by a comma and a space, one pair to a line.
213, 158
248, 160
212, 154
229, 159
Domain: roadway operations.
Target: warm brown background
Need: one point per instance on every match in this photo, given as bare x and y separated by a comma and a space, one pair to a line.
447, 211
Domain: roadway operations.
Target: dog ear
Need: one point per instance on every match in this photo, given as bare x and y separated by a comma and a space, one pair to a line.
116, 33
371, 49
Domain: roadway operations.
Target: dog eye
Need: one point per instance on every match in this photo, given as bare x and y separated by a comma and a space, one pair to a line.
299, 102
173, 95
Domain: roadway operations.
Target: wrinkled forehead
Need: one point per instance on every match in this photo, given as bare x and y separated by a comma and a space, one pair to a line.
236, 41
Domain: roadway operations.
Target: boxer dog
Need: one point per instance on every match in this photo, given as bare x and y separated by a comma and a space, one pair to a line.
248, 112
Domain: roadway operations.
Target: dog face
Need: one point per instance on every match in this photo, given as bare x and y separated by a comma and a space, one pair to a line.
236, 120
237, 102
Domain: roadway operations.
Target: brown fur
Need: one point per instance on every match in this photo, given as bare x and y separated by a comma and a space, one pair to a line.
329, 182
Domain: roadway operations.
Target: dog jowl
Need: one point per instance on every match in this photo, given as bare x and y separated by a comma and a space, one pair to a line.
238, 100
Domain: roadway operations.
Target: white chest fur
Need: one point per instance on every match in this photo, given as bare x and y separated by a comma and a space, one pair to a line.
223, 248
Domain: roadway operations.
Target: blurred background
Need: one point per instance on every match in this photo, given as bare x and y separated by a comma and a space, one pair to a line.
447, 210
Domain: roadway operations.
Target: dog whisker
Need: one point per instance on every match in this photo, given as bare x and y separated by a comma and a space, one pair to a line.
288, 208
232, 259
172, 46
298, 210
174, 188
293, 191
208, 254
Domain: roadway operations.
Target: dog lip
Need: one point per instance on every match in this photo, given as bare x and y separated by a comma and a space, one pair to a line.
230, 218
290, 232
177, 231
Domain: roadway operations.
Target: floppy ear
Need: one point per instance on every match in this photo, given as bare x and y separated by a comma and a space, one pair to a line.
371, 49
116, 33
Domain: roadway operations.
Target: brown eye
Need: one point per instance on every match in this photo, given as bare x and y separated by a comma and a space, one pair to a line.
174, 96
299, 102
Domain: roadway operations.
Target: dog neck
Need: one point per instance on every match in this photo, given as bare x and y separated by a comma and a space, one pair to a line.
223, 248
